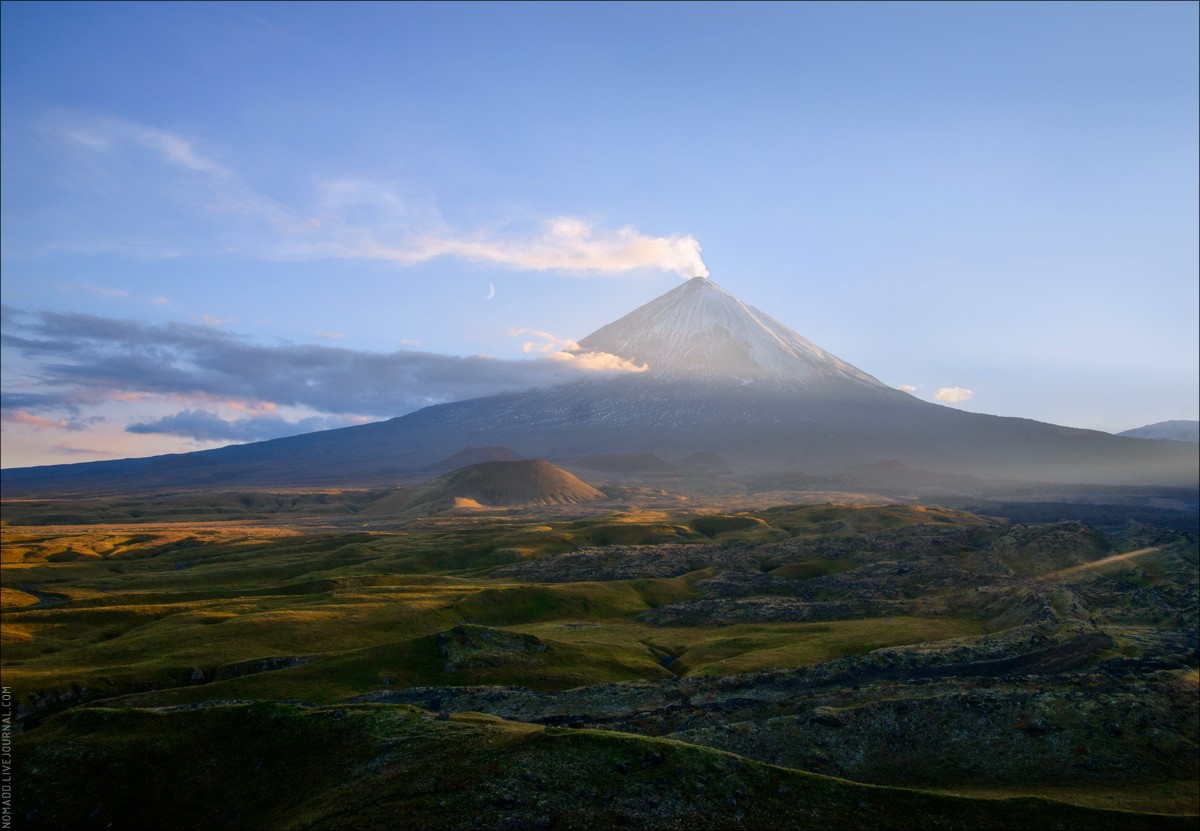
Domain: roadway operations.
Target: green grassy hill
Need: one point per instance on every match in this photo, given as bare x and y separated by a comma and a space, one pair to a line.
502, 484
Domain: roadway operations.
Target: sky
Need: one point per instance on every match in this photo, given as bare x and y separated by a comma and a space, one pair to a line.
228, 222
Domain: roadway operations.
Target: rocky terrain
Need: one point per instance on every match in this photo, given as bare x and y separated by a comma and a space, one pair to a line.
1036, 718
1088, 678
797, 666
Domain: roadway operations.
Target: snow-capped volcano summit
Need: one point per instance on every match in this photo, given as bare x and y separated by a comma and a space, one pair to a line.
701, 331
722, 379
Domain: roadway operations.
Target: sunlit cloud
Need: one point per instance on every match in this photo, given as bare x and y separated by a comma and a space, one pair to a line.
566, 350
953, 395
160, 301
907, 388
258, 407
37, 422
362, 219
214, 321
549, 343
598, 362
563, 244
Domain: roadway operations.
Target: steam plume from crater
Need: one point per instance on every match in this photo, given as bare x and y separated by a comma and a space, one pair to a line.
565, 243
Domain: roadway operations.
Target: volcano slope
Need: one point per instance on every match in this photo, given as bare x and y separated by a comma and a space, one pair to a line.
800, 666
719, 377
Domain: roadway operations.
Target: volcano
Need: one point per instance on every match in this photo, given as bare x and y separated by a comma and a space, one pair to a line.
503, 484
699, 331
719, 378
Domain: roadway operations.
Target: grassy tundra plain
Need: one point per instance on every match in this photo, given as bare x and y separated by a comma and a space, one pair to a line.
313, 659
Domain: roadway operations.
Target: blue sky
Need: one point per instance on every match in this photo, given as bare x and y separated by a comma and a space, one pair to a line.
228, 222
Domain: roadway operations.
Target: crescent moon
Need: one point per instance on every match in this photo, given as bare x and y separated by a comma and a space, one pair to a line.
491, 292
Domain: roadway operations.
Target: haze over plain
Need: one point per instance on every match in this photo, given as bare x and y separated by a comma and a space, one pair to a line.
993, 202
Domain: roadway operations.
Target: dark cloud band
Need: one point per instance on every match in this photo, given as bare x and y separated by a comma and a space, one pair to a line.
79, 360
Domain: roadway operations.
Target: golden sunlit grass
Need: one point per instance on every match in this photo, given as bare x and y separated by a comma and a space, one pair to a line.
818, 520
1165, 797
13, 598
159, 602
169, 597
1098, 565
12, 634
748, 647
167, 613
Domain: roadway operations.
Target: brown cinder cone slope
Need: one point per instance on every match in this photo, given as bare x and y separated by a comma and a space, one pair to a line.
504, 485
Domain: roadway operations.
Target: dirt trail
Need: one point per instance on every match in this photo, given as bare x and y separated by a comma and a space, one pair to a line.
1116, 558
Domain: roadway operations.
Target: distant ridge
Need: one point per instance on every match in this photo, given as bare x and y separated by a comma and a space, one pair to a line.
476, 455
704, 462
502, 485
626, 463
1173, 430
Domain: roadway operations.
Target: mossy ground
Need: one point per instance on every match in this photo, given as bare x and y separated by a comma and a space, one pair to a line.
390, 766
163, 605
256, 597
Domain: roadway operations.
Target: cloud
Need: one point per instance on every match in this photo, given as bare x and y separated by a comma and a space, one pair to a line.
65, 449
598, 362
361, 219
178, 150
953, 395
907, 388
551, 342
568, 351
38, 422
160, 301
258, 407
329, 335
79, 360
563, 244
204, 425
105, 134
103, 292
46, 400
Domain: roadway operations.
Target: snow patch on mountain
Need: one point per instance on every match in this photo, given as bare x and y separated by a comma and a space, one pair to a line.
701, 331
